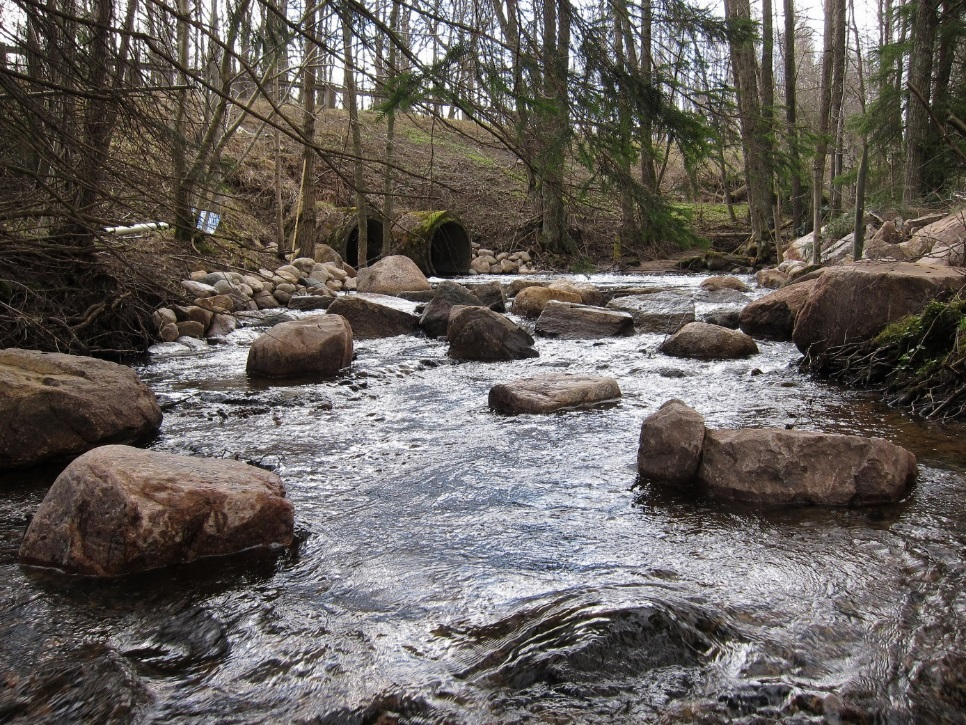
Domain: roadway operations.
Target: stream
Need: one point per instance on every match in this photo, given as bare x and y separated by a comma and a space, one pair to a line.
453, 565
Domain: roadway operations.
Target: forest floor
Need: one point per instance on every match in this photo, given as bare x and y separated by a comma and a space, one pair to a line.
445, 165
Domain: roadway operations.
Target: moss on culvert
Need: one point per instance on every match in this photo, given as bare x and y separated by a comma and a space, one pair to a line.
436, 241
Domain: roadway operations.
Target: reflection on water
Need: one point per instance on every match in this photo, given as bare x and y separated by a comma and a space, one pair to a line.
453, 565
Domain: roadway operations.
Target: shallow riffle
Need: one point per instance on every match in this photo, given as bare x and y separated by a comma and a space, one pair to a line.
455, 565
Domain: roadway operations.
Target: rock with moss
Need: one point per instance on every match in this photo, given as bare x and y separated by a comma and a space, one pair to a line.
855, 302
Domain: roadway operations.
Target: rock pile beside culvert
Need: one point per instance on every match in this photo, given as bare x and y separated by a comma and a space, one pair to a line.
302, 285
488, 261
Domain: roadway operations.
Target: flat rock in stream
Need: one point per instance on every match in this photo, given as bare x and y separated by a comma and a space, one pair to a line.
316, 345
117, 510
55, 406
552, 392
663, 313
771, 466
478, 333
571, 321
804, 467
371, 319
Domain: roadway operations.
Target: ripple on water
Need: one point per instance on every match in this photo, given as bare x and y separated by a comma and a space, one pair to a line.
454, 565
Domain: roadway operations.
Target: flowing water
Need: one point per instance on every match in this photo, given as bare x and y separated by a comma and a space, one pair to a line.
454, 565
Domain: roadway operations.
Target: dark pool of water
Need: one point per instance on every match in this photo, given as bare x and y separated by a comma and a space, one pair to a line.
454, 565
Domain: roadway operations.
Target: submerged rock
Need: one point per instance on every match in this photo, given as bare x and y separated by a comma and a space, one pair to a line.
663, 313
703, 341
589, 293
670, 445
117, 510
371, 319
316, 345
55, 406
552, 392
721, 282
570, 321
478, 333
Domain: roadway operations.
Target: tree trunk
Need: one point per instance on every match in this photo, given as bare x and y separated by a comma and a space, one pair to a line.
628, 231
837, 121
557, 19
917, 114
390, 135
648, 172
306, 217
357, 164
791, 118
184, 221
821, 144
754, 130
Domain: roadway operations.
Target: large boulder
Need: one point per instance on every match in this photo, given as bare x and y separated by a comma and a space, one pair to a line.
117, 510
663, 312
709, 342
492, 295
316, 345
435, 318
670, 445
855, 302
531, 301
942, 242
946, 254
478, 333
392, 275
371, 319
804, 467
773, 316
722, 282
552, 392
772, 278
55, 406
570, 321
589, 293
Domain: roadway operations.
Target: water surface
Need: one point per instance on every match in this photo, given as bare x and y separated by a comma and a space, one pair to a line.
454, 565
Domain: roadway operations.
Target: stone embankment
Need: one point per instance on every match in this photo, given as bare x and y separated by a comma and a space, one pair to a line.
934, 240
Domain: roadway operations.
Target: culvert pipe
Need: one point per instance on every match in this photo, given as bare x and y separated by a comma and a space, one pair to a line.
339, 228
436, 241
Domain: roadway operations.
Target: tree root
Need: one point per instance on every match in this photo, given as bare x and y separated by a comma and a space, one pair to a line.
917, 363
53, 298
